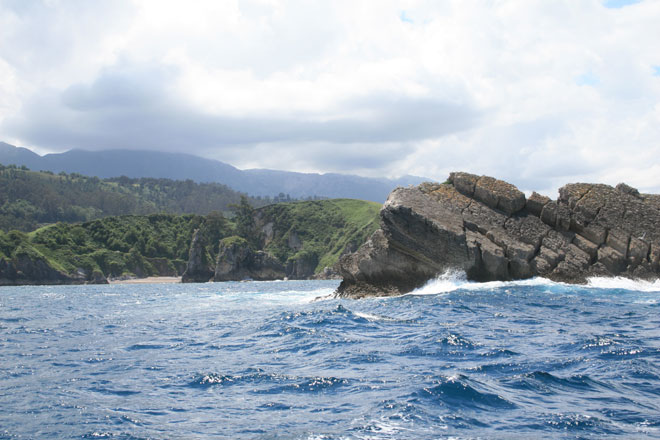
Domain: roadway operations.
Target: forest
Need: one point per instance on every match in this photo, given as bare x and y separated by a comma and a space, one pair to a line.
31, 199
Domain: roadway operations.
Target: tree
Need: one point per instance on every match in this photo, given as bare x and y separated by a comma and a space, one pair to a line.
244, 220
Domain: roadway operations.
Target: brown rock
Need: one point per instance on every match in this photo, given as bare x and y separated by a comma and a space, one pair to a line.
549, 214
464, 182
536, 202
486, 228
638, 251
612, 259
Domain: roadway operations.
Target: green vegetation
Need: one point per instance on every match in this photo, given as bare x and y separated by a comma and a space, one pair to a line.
314, 233
234, 240
155, 244
318, 231
246, 226
30, 199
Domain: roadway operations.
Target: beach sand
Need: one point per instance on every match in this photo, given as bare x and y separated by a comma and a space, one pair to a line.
148, 280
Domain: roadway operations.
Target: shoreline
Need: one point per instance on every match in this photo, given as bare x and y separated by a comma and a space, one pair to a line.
148, 280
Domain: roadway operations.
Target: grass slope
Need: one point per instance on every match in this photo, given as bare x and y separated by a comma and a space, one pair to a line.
318, 231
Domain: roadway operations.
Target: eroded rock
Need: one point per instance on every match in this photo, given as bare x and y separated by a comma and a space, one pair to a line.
486, 228
199, 268
237, 262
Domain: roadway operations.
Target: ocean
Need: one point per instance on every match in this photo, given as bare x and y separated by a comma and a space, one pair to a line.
282, 360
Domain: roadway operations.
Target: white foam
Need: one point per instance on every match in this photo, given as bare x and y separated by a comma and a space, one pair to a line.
453, 280
445, 283
624, 283
370, 317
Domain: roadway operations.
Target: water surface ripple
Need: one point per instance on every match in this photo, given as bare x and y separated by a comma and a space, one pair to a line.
264, 360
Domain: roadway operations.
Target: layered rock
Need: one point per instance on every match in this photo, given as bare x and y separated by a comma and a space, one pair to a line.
487, 228
237, 262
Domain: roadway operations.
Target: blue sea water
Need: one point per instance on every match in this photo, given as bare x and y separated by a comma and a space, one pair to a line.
266, 360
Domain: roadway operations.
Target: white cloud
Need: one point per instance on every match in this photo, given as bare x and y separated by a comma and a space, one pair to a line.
537, 92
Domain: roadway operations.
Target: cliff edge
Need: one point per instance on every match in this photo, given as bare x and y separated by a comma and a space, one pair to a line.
488, 229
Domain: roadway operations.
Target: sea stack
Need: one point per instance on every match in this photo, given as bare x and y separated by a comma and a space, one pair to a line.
488, 229
199, 268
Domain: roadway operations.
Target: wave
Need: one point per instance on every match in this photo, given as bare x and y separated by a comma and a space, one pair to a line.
452, 280
269, 383
462, 392
624, 284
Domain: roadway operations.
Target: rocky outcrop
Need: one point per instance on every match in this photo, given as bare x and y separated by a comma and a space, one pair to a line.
237, 262
487, 228
199, 269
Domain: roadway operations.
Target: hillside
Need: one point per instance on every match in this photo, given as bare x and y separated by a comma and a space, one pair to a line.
62, 253
29, 199
177, 166
159, 244
316, 232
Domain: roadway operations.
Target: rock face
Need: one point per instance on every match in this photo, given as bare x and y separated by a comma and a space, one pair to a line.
236, 262
199, 267
488, 229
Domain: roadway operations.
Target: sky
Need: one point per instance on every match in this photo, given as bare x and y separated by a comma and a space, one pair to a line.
539, 93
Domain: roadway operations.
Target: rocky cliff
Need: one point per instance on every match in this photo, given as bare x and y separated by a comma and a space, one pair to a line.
300, 240
237, 262
199, 268
487, 228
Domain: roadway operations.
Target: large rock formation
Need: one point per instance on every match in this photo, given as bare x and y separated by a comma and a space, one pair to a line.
487, 228
199, 269
237, 262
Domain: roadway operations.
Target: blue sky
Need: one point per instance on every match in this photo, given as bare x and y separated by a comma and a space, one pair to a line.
619, 3
535, 92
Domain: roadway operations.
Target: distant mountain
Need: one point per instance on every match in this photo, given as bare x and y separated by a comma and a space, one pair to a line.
178, 166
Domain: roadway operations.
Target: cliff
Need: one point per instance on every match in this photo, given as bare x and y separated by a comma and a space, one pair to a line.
237, 262
198, 269
487, 228
299, 240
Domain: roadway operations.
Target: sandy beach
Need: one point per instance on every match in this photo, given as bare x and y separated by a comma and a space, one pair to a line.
148, 280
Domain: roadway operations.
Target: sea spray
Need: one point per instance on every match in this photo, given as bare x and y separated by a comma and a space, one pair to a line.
624, 283
453, 280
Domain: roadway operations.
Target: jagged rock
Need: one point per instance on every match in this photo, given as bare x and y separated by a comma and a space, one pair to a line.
536, 202
198, 269
485, 227
627, 189
237, 262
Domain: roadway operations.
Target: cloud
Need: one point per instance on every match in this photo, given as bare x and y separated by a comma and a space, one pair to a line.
133, 108
535, 92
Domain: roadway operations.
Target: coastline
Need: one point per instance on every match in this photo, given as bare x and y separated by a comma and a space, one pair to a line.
148, 280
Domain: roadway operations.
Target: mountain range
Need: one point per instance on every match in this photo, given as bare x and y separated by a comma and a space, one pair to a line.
179, 166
